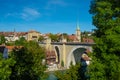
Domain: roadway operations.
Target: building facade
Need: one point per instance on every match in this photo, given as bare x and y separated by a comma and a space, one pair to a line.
33, 35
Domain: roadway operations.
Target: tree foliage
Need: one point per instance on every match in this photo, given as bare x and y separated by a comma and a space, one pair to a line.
28, 62
71, 74
20, 42
5, 70
65, 35
54, 37
106, 56
62, 63
41, 38
2, 39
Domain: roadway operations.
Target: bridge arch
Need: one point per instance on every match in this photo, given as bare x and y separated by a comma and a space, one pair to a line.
75, 55
57, 51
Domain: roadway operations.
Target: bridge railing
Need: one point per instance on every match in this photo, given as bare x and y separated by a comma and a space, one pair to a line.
69, 43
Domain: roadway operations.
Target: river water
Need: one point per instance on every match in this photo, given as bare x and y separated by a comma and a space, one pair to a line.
51, 76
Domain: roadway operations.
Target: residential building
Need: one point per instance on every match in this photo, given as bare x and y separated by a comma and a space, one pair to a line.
13, 36
88, 40
33, 35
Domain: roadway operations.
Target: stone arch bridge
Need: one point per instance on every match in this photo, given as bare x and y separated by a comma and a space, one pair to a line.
68, 51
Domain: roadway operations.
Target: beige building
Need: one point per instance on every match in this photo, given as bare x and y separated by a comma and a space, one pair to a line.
33, 35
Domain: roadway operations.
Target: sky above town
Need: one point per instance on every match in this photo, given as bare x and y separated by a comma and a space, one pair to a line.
45, 16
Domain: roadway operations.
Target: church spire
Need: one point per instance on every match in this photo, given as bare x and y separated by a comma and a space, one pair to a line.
78, 33
78, 28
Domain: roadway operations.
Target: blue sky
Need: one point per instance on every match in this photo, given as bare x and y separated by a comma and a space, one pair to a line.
54, 16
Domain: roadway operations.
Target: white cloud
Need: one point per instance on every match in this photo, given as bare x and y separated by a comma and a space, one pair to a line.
25, 14
30, 13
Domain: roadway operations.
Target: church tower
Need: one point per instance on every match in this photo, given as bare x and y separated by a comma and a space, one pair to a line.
78, 33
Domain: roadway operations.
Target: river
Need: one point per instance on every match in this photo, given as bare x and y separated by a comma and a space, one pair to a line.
51, 76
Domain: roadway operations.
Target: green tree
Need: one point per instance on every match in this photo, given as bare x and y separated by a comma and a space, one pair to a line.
106, 57
28, 62
62, 63
65, 35
2, 39
5, 70
20, 42
70, 74
54, 37
41, 38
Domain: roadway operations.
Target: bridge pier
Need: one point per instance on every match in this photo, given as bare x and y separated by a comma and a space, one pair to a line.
64, 54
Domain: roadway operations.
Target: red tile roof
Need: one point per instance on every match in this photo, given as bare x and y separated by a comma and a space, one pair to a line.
6, 34
90, 40
10, 48
73, 37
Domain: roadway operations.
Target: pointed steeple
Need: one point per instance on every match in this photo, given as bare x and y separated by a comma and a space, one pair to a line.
78, 33
78, 28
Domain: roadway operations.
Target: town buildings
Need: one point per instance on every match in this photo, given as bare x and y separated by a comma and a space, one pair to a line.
35, 35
